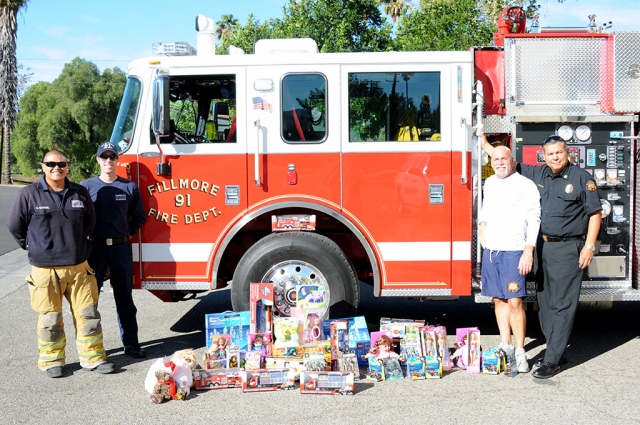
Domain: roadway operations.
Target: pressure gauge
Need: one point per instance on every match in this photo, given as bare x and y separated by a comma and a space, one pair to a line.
566, 132
599, 174
583, 132
606, 208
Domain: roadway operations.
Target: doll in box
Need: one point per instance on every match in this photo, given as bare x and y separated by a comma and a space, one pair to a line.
383, 349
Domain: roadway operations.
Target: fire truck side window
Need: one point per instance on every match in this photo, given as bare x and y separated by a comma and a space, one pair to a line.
304, 108
394, 106
202, 108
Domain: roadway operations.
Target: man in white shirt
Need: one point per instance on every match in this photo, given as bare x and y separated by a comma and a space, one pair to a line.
509, 223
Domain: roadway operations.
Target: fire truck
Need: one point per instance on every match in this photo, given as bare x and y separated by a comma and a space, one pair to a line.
379, 148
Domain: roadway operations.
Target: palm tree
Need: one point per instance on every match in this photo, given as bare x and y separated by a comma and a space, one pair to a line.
394, 8
9, 75
226, 26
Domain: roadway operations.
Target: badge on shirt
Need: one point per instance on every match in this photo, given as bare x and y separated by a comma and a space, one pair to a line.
569, 188
77, 203
591, 186
121, 197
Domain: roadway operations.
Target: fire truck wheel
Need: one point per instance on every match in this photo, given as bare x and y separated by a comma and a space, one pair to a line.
290, 259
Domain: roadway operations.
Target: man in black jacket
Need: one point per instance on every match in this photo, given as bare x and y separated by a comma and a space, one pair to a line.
52, 220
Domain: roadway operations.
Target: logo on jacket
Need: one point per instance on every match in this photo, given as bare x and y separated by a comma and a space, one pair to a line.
77, 203
569, 188
121, 197
591, 186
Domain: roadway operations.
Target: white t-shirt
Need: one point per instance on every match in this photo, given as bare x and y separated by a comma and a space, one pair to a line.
511, 209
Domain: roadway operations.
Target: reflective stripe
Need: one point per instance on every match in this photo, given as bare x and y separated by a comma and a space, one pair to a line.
90, 350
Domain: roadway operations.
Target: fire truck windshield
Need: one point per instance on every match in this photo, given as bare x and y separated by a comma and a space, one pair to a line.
123, 129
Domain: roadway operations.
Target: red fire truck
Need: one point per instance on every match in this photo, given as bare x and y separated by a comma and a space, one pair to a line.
378, 147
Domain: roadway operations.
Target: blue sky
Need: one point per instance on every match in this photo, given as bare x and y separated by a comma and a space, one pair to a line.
109, 34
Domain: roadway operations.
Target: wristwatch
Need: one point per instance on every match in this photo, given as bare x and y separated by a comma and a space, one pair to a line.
590, 248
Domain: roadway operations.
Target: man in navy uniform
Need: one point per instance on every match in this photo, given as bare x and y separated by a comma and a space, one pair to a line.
119, 216
571, 214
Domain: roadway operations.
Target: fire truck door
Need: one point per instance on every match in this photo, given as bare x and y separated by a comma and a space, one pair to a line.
292, 153
188, 210
402, 165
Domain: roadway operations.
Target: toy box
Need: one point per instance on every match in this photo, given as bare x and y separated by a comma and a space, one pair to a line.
348, 362
311, 297
234, 324
294, 363
267, 380
339, 340
432, 368
260, 342
397, 326
260, 307
310, 320
428, 340
510, 367
359, 338
314, 362
461, 355
216, 355
208, 379
391, 369
253, 360
442, 347
374, 369
415, 368
286, 332
492, 361
475, 353
327, 383
410, 345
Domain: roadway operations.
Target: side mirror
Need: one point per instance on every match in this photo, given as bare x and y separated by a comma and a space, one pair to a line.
161, 118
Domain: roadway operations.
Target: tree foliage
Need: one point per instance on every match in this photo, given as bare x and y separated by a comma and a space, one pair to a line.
9, 76
74, 113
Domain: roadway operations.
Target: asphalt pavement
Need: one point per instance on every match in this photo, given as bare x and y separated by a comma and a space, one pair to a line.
599, 385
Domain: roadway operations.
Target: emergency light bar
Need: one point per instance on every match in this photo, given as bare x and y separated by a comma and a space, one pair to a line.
174, 48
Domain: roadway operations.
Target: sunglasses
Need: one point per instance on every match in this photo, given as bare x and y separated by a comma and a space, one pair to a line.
112, 157
52, 164
552, 139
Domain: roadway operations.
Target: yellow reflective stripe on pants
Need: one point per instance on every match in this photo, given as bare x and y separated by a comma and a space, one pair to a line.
51, 354
90, 350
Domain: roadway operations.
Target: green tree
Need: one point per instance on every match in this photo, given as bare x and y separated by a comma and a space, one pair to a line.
444, 25
226, 26
74, 114
245, 36
337, 25
394, 8
9, 77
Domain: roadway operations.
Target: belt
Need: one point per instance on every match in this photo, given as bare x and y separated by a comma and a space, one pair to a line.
110, 241
547, 238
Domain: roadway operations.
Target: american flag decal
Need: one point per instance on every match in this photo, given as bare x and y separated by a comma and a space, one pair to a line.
260, 103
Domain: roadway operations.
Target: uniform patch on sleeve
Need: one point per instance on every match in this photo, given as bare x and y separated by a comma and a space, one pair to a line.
591, 186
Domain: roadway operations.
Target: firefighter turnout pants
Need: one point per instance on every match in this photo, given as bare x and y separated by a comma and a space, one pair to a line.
48, 285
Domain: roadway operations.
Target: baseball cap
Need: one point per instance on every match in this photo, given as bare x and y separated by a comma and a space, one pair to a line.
107, 146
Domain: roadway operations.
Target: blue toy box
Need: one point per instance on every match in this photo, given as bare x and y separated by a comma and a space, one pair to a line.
231, 323
359, 338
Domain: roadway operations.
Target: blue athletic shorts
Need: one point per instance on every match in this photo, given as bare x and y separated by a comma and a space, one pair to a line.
500, 275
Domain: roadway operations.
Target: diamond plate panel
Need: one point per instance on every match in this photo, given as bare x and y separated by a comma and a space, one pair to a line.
626, 68
554, 76
416, 292
497, 124
177, 286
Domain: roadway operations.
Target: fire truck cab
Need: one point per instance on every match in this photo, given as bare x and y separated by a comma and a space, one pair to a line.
378, 147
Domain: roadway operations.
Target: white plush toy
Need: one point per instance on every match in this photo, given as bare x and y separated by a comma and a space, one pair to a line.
180, 367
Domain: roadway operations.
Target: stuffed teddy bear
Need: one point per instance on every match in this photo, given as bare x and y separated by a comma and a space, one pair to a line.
165, 388
179, 367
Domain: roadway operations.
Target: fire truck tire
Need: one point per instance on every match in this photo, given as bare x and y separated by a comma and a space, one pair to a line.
311, 251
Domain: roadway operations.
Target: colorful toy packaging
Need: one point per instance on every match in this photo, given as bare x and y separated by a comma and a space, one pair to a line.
234, 324
374, 369
415, 368
391, 369
314, 362
286, 332
442, 348
461, 355
339, 340
260, 307
348, 362
432, 367
311, 297
294, 363
473, 341
359, 338
493, 361
511, 367
327, 383
267, 380
207, 379
216, 354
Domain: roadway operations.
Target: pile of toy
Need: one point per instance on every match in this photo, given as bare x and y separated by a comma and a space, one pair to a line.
258, 350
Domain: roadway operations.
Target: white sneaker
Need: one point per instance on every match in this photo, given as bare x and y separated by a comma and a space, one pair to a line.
507, 348
522, 363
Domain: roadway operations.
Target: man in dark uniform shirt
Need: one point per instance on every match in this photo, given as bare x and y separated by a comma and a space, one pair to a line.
119, 216
570, 222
